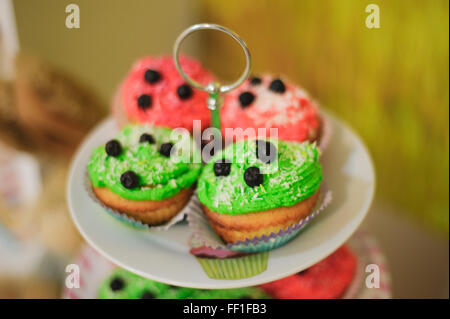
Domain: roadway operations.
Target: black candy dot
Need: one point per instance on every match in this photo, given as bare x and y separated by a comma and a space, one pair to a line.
277, 86
147, 138
254, 80
144, 101
184, 91
147, 295
253, 177
152, 76
303, 272
246, 98
222, 167
117, 284
113, 148
266, 151
165, 149
129, 180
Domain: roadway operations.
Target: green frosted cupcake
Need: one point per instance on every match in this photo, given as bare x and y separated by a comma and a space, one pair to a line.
236, 293
257, 188
148, 173
122, 284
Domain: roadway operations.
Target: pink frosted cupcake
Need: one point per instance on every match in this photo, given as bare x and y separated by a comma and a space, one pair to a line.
268, 102
328, 279
154, 93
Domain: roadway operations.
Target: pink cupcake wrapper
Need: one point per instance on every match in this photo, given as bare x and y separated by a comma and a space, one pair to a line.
204, 235
132, 221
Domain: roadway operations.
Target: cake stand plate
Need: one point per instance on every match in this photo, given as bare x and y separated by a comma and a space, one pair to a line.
164, 255
94, 269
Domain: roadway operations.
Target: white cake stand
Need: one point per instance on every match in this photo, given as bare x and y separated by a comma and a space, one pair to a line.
164, 255
94, 269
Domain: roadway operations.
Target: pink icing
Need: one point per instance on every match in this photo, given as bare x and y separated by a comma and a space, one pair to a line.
167, 108
292, 112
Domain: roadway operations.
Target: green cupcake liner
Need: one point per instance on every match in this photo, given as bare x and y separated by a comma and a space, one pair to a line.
235, 267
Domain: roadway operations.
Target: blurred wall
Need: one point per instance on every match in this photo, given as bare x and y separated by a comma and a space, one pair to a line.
112, 34
391, 84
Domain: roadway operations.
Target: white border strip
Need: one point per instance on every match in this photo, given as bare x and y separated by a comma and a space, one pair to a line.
9, 40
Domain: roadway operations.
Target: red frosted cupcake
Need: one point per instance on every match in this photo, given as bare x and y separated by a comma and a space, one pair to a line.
154, 93
328, 279
268, 102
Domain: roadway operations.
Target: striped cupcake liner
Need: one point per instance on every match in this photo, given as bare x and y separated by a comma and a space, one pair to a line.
204, 234
130, 221
226, 264
235, 267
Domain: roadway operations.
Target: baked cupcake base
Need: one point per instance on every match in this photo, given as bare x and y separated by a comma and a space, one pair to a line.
233, 228
149, 212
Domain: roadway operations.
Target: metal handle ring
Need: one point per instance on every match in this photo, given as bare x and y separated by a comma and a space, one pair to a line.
211, 87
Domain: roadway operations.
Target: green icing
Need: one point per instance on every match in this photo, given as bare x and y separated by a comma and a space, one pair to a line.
295, 175
135, 286
236, 293
160, 177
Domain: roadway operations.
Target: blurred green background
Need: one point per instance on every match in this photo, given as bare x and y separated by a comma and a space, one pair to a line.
391, 84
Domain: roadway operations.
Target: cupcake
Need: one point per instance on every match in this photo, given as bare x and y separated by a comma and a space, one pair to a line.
147, 173
268, 102
122, 284
257, 187
155, 93
328, 279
